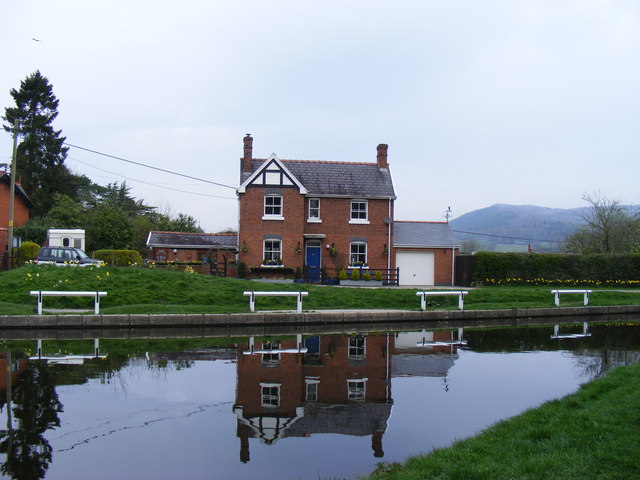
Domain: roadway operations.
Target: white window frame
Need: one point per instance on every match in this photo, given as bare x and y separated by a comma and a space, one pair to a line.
357, 389
314, 218
270, 395
271, 359
272, 251
270, 204
358, 256
311, 391
357, 347
356, 214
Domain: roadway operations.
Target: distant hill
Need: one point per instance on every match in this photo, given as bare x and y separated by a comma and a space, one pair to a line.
515, 227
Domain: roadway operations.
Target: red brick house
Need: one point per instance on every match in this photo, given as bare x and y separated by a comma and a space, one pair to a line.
318, 214
337, 384
328, 216
21, 208
330, 384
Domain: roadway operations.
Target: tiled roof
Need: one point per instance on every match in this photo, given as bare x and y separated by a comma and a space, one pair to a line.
193, 240
338, 178
423, 234
413, 365
352, 419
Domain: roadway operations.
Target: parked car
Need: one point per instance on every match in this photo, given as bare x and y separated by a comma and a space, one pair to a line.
62, 256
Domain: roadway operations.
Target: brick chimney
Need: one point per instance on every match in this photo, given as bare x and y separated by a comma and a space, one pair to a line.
248, 153
382, 156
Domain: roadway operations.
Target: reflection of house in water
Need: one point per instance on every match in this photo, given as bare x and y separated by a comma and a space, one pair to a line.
330, 384
425, 354
12, 369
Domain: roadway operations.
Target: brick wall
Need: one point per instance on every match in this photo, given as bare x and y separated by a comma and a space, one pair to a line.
335, 216
253, 229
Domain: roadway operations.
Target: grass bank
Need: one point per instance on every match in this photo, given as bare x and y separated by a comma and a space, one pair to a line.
592, 434
149, 290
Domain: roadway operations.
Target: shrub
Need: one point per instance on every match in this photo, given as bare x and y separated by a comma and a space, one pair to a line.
119, 258
355, 274
366, 276
342, 275
378, 276
27, 252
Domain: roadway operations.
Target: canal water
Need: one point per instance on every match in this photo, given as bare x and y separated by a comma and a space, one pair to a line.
280, 407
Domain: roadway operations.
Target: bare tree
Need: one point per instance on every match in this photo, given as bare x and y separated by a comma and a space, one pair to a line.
608, 227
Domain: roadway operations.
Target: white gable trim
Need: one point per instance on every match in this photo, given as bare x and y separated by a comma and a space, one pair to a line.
272, 163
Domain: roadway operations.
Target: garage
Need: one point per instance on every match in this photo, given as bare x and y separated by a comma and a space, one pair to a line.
416, 268
424, 252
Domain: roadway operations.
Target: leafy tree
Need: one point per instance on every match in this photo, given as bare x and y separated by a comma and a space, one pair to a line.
66, 212
41, 153
142, 225
182, 223
108, 227
608, 227
119, 196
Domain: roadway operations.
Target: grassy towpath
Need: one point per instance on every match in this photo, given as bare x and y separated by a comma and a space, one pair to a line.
149, 290
592, 434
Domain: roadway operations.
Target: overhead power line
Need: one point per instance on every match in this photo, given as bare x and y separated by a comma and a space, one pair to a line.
152, 184
504, 236
150, 166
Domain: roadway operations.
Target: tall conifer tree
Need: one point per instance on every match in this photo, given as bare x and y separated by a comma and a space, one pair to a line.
41, 151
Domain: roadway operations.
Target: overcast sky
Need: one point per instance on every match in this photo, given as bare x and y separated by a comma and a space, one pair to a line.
480, 102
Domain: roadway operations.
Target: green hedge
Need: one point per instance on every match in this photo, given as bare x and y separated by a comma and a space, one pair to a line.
119, 258
554, 269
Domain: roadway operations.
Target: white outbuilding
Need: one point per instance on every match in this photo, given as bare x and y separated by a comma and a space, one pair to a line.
58, 237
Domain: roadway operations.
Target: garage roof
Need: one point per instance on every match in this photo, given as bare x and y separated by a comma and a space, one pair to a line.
423, 235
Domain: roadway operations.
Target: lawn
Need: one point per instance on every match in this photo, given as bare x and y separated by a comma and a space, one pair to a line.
154, 290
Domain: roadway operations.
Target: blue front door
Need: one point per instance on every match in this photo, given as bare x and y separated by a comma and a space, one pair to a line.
312, 260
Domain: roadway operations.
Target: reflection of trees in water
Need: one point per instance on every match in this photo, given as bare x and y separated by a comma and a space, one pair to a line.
608, 347
35, 410
524, 339
597, 363
35, 406
138, 368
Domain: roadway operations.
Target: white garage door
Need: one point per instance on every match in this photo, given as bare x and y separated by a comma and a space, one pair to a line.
416, 268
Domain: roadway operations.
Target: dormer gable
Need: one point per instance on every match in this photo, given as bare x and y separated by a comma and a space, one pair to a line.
272, 173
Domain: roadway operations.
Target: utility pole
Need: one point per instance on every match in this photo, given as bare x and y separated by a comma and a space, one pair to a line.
12, 193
